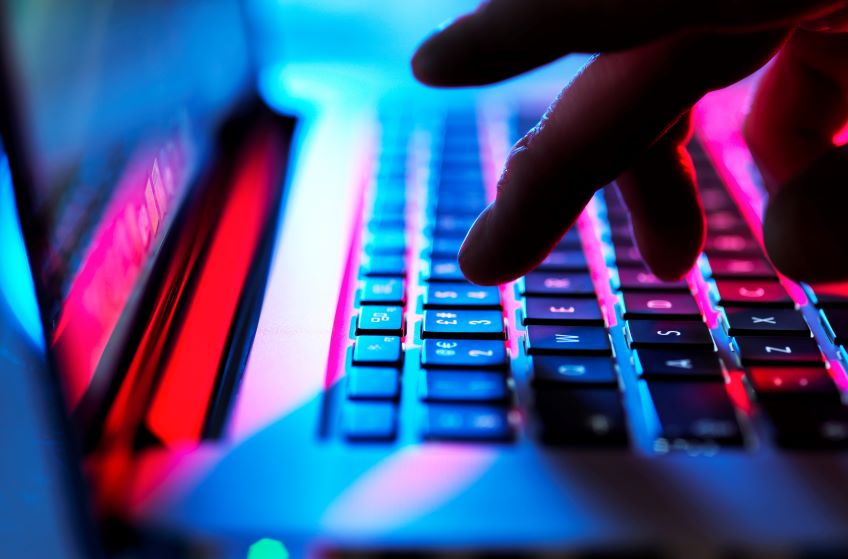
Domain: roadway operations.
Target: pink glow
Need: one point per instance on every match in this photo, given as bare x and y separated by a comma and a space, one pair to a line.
151, 186
841, 137
718, 124
587, 224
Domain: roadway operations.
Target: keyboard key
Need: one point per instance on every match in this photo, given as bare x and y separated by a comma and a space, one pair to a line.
553, 285
463, 353
640, 279
793, 382
715, 199
835, 322
628, 256
547, 310
383, 265
383, 291
373, 383
677, 363
451, 422
756, 350
571, 240
802, 423
377, 350
668, 333
444, 270
726, 221
585, 340
450, 226
461, 295
747, 293
564, 261
393, 243
380, 319
369, 421
445, 247
741, 267
481, 324
463, 386
693, 413
581, 416
732, 245
764, 322
659, 305
566, 370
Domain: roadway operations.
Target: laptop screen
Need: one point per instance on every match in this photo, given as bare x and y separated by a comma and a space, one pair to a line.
111, 109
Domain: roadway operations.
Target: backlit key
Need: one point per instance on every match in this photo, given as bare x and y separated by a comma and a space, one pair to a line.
590, 416
451, 323
552, 284
463, 353
451, 422
384, 265
640, 279
369, 421
693, 413
547, 310
444, 270
739, 321
377, 350
586, 340
461, 295
677, 363
463, 386
373, 383
573, 370
660, 305
793, 382
380, 319
383, 291
756, 350
746, 293
740, 267
668, 333
564, 261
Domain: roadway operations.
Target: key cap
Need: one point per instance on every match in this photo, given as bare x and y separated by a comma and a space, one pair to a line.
444, 270
380, 319
715, 199
386, 243
668, 333
445, 247
463, 386
377, 291
585, 340
640, 279
449, 226
767, 350
461, 295
382, 265
793, 382
377, 350
732, 245
552, 285
463, 353
547, 310
373, 383
693, 413
564, 261
829, 295
726, 221
835, 322
746, 293
570, 241
369, 421
742, 267
480, 324
808, 424
766, 321
451, 422
572, 370
628, 256
581, 416
659, 305
677, 363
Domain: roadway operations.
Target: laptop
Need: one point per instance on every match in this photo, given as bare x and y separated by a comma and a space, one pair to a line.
267, 349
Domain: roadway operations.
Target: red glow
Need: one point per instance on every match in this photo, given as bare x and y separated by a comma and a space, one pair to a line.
178, 410
841, 137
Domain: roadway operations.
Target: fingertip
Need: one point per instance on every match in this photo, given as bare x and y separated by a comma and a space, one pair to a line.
803, 227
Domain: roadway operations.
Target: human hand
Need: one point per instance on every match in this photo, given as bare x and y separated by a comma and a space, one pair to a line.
626, 118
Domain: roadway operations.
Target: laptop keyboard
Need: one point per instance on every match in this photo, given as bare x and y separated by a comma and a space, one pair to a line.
588, 350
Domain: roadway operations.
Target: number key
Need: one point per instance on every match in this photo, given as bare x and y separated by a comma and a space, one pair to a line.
463, 324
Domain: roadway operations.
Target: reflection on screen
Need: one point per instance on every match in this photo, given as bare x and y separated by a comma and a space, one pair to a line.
118, 103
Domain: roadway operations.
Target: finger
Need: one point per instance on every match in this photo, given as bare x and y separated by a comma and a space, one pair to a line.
590, 135
802, 102
661, 193
503, 38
